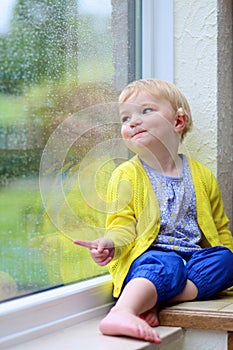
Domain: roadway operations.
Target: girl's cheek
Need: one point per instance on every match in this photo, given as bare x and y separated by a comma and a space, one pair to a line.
124, 132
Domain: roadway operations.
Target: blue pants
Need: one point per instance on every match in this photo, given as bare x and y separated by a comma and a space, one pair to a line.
210, 269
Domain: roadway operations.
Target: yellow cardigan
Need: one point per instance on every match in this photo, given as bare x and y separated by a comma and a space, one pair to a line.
133, 220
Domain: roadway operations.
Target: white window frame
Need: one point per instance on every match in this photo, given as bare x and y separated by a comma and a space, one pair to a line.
157, 39
31, 316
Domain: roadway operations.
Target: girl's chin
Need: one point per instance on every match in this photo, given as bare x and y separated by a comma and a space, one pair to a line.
136, 147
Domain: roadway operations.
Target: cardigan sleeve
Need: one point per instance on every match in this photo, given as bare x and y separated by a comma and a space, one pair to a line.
121, 221
212, 218
219, 216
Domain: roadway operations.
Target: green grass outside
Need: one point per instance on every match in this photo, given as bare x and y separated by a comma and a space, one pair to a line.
92, 70
11, 109
35, 257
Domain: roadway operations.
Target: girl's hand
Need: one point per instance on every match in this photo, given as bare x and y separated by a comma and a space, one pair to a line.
101, 250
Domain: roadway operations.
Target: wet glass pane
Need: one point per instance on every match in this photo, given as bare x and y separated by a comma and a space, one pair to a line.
62, 65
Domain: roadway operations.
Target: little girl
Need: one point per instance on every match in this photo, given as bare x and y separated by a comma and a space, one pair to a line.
167, 236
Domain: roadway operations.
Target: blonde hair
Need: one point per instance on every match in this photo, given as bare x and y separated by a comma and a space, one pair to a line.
164, 89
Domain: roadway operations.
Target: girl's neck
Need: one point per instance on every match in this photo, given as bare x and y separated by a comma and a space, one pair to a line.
164, 158
167, 165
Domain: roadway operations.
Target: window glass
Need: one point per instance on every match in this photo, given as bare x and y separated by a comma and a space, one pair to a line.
62, 65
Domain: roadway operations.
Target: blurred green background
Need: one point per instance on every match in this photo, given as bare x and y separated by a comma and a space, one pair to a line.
49, 69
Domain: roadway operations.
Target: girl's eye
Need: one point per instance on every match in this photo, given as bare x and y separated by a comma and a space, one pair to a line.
125, 119
147, 110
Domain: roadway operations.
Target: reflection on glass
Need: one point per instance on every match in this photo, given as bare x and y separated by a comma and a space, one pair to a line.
57, 58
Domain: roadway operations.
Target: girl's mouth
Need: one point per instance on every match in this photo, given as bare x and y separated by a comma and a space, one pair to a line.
138, 132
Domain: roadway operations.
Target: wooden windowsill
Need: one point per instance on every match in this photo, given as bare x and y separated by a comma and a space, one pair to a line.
214, 314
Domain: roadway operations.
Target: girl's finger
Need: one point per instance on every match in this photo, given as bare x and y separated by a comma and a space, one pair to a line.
86, 244
105, 262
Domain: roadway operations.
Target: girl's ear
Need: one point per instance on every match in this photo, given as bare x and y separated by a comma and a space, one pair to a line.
180, 120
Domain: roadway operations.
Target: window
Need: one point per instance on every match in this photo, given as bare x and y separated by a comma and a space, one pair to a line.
34, 107
157, 39
62, 65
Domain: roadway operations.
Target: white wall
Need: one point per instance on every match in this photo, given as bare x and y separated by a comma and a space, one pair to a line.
195, 72
203, 70
199, 339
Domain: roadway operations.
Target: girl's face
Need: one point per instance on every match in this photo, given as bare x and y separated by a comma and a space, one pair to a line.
148, 121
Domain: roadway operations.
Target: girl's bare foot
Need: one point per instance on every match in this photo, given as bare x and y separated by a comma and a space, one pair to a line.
122, 322
151, 317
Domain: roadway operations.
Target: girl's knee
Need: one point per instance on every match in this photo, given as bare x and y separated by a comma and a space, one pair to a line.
226, 258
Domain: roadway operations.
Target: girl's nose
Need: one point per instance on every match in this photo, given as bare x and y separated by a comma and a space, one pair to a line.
135, 119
